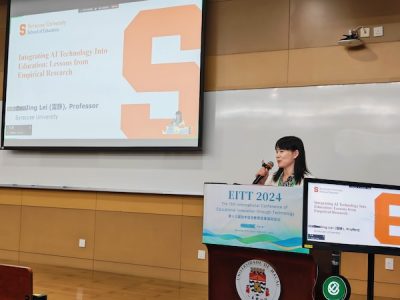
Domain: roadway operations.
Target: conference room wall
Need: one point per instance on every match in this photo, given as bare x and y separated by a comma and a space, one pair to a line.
249, 44
264, 43
146, 235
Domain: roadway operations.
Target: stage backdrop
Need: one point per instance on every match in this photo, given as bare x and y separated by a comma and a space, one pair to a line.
351, 132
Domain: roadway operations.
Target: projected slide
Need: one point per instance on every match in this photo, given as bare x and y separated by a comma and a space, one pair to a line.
353, 215
119, 75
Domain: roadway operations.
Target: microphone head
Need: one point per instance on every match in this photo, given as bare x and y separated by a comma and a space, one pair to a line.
269, 165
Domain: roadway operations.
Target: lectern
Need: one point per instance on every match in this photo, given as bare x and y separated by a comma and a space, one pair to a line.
15, 283
254, 237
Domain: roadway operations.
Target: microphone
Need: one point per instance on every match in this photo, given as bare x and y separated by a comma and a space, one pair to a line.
268, 166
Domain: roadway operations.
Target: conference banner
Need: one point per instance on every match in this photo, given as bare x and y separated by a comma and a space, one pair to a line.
253, 216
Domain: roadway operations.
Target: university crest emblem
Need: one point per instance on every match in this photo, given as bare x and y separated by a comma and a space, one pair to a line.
257, 280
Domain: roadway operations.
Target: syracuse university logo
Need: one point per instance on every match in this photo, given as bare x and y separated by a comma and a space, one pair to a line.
22, 29
257, 280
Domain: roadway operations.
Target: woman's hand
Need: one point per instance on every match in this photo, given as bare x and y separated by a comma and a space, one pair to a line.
263, 172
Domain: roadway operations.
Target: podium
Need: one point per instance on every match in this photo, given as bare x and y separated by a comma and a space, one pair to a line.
15, 282
253, 235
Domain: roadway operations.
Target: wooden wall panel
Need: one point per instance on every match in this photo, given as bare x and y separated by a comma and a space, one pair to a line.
59, 199
387, 276
354, 267
192, 229
192, 207
11, 196
1, 83
392, 291
9, 257
140, 203
336, 65
29, 259
138, 239
387, 290
349, 260
137, 270
10, 216
315, 23
244, 26
243, 71
3, 13
358, 286
193, 277
56, 231
2, 46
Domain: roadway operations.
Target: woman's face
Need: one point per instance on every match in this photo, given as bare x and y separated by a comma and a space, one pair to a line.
285, 158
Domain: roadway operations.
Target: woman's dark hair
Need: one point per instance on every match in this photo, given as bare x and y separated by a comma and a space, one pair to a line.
293, 143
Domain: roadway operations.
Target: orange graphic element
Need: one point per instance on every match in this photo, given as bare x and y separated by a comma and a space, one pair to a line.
383, 220
144, 76
22, 29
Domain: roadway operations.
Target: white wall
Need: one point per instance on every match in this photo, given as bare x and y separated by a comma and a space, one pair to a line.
351, 132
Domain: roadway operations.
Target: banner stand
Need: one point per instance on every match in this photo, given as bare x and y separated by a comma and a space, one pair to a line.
371, 275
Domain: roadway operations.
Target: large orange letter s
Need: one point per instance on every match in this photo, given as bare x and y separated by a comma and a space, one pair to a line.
383, 219
22, 29
144, 76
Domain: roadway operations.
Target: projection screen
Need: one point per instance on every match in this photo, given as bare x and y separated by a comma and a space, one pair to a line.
91, 74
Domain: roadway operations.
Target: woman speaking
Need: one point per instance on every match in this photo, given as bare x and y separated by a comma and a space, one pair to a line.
291, 159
